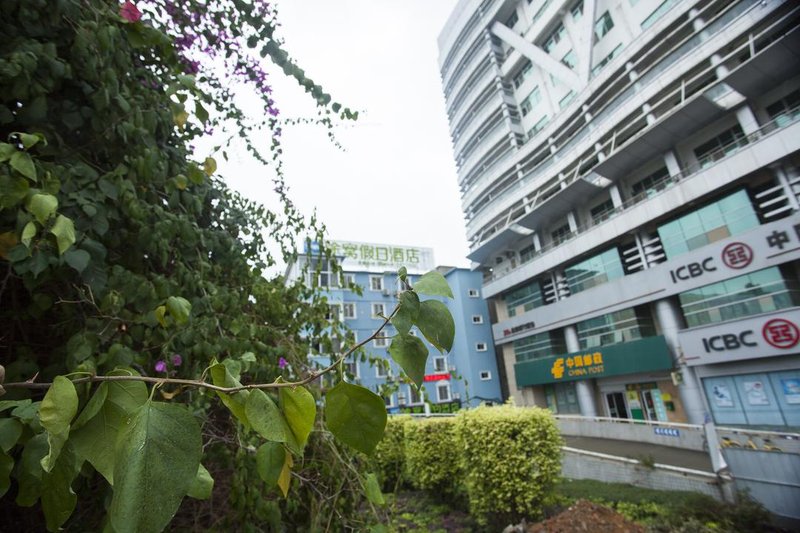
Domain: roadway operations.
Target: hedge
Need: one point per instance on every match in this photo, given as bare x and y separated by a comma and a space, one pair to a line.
389, 458
432, 459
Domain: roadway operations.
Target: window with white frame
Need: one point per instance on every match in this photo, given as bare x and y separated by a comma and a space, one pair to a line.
473, 293
480, 346
348, 280
380, 342
381, 369
603, 25
439, 364
485, 375
334, 312
351, 368
443, 391
376, 283
414, 396
349, 310
319, 273
378, 310
389, 400
477, 319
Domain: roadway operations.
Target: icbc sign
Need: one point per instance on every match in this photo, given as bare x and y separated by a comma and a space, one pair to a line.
781, 333
778, 332
736, 255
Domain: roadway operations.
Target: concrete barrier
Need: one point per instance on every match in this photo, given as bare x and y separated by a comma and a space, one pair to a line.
685, 436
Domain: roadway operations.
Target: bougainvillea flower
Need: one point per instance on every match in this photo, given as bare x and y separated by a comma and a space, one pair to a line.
282, 362
130, 12
177, 360
161, 366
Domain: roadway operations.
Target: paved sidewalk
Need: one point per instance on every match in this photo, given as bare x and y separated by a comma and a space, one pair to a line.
636, 450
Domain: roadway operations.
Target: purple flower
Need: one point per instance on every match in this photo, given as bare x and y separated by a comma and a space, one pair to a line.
161, 366
177, 360
282, 363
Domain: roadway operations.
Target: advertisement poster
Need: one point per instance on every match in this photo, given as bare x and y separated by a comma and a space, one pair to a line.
722, 396
754, 390
791, 390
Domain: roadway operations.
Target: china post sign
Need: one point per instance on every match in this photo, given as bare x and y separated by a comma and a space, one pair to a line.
644, 355
382, 257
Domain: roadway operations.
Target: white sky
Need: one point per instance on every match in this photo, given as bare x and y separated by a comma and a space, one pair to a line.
395, 182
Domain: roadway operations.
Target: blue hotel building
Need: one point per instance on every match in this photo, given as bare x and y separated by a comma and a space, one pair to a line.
465, 377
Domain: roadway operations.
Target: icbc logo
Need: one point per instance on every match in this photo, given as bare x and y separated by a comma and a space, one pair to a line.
737, 255
781, 333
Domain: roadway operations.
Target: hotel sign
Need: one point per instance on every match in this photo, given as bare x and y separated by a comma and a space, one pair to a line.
360, 256
643, 355
767, 335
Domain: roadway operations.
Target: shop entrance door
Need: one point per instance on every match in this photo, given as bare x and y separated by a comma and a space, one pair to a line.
649, 404
616, 405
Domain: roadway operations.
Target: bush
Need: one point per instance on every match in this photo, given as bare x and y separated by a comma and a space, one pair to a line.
511, 459
432, 456
389, 458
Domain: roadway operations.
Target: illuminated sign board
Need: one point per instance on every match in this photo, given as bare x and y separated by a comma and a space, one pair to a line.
361, 256
437, 377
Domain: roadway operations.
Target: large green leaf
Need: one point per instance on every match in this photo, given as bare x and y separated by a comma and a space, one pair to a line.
270, 459
436, 323
265, 417
92, 407
58, 498
22, 163
406, 316
179, 308
411, 354
433, 284
58, 408
10, 431
203, 484
221, 377
373, 490
355, 416
42, 206
29, 471
28, 233
95, 441
300, 409
64, 231
6, 465
158, 456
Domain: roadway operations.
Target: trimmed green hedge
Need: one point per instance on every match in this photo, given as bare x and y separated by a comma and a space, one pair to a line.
389, 458
432, 459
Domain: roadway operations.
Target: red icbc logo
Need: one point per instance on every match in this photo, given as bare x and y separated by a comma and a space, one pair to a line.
781, 333
737, 255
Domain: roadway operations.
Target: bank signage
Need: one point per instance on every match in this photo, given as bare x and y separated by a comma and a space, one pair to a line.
361, 256
767, 335
644, 355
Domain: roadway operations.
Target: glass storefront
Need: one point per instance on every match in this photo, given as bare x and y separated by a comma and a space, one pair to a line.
613, 328
765, 399
537, 346
594, 271
562, 399
731, 215
524, 299
752, 294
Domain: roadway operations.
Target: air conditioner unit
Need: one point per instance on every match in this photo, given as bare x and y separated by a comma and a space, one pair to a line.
386, 292
452, 368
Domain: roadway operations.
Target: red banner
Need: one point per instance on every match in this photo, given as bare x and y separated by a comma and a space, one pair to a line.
437, 377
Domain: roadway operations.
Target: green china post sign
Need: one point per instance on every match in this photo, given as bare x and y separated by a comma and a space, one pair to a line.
644, 355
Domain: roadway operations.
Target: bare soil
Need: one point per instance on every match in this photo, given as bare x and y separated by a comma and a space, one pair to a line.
584, 515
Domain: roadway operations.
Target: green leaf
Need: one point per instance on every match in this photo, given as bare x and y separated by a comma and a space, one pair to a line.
13, 404
402, 272
10, 431
181, 182
221, 377
6, 151
161, 315
29, 471
436, 323
209, 166
179, 308
92, 407
202, 486
77, 259
59, 407
43, 206
22, 163
28, 233
95, 441
64, 231
158, 457
286, 475
270, 459
13, 190
265, 416
356, 416
373, 490
29, 140
201, 112
58, 498
406, 316
300, 409
433, 284
6, 465
411, 354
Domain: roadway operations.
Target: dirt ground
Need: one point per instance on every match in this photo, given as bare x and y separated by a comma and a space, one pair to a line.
586, 516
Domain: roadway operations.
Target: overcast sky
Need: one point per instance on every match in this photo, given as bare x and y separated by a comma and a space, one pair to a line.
395, 181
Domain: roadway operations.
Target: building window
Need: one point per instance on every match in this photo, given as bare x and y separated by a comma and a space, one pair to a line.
349, 310
348, 280
729, 216
380, 342
527, 253
720, 146
562, 399
564, 102
606, 60
763, 399
554, 38
485, 375
531, 101
539, 126
659, 12
334, 312
473, 293
561, 234
512, 20
524, 299
601, 212
603, 25
652, 184
378, 311
785, 109
376, 283
382, 369
538, 346
439, 364
570, 59
443, 392
389, 400
522, 75
594, 271
477, 319
622, 326
577, 11
752, 294
351, 369
414, 396
480, 346
319, 273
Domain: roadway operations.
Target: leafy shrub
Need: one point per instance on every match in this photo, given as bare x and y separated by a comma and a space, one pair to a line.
432, 457
511, 460
389, 459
